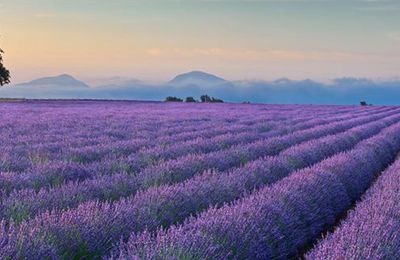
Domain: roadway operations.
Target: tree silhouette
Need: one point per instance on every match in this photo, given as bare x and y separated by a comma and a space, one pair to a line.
208, 99
173, 99
190, 100
4, 73
205, 99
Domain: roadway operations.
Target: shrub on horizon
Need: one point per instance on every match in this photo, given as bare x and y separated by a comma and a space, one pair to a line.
173, 99
190, 100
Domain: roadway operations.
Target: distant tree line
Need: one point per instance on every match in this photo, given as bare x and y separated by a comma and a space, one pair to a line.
364, 103
4, 73
190, 100
203, 99
173, 99
208, 99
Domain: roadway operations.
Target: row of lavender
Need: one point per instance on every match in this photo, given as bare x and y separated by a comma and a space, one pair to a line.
372, 229
139, 178
20, 158
56, 172
72, 170
279, 221
58, 133
27, 203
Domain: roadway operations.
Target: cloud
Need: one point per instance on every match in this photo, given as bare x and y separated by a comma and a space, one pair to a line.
340, 91
154, 51
394, 36
261, 55
379, 6
45, 15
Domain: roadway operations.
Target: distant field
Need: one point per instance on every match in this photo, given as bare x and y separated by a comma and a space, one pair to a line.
5, 100
137, 180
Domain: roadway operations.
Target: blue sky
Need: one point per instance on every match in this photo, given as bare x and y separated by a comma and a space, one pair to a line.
236, 39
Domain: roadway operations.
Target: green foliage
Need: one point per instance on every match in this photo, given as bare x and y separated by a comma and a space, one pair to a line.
190, 100
173, 99
364, 103
205, 99
216, 100
4, 73
208, 99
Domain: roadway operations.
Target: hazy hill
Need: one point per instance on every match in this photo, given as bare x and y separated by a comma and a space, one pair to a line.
61, 81
197, 78
196, 83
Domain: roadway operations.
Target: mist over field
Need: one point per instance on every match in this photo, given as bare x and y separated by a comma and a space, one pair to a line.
342, 91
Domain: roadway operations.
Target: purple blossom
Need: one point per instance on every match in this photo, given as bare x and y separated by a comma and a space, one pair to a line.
153, 180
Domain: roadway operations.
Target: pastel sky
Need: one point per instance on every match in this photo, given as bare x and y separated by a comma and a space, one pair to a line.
235, 39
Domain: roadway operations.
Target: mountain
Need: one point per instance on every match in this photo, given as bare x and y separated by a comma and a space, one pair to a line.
196, 78
63, 81
62, 86
282, 91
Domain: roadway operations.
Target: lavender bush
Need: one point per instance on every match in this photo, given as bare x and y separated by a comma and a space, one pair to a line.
27, 203
277, 221
371, 231
87, 179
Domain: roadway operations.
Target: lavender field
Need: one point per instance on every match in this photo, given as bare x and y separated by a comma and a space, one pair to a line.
142, 180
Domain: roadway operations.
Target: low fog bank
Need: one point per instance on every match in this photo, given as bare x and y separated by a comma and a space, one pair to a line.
345, 91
